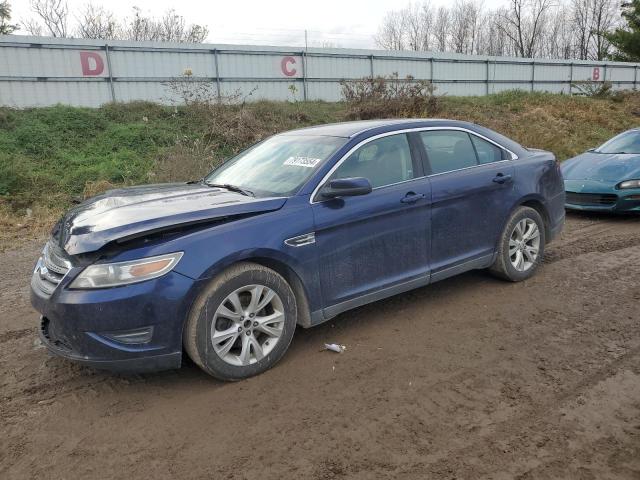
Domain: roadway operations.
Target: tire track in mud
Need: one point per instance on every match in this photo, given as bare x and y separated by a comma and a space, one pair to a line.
492, 407
574, 249
482, 411
586, 234
16, 334
526, 429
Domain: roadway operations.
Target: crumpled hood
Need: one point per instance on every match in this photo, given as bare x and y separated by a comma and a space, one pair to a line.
602, 167
127, 212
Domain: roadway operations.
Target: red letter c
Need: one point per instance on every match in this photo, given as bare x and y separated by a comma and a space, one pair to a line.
284, 65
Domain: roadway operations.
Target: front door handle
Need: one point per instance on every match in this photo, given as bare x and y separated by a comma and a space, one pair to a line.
501, 178
412, 197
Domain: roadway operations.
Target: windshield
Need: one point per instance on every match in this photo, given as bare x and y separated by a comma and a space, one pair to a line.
627, 142
277, 166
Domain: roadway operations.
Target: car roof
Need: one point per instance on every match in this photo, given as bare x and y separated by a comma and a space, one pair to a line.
351, 129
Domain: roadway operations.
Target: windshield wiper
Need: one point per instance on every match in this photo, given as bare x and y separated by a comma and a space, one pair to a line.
231, 188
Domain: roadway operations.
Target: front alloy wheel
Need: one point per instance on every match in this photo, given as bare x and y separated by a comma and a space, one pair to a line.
242, 323
247, 325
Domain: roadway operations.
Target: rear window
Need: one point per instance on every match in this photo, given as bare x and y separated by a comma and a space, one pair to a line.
487, 151
448, 150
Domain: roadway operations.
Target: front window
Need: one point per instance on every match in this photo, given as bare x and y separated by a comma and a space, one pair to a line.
383, 162
627, 142
278, 166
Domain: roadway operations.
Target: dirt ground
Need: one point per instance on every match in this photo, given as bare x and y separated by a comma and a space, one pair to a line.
468, 378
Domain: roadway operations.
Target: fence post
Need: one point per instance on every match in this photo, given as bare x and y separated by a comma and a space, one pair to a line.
533, 75
487, 77
371, 66
635, 77
431, 72
113, 92
215, 60
570, 78
304, 76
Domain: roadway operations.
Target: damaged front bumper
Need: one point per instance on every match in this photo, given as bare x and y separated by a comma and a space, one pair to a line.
135, 328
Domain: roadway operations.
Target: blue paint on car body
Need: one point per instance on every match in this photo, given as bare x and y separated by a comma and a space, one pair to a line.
339, 252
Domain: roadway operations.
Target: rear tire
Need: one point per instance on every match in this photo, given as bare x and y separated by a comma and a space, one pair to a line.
242, 323
521, 246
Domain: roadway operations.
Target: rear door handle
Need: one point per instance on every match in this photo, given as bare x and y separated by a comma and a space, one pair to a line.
501, 178
412, 197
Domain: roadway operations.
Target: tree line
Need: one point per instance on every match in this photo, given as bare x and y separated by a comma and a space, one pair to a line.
53, 18
568, 29
565, 29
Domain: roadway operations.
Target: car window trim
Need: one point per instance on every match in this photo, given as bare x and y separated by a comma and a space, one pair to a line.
407, 131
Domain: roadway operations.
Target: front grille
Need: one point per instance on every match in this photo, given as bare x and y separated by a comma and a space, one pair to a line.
598, 199
50, 270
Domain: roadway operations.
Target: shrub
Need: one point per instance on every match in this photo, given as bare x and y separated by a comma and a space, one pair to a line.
589, 88
384, 97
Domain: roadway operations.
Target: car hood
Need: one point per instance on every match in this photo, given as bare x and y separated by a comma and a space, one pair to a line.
602, 167
129, 212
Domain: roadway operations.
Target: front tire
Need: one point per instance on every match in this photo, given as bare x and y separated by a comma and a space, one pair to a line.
521, 246
243, 322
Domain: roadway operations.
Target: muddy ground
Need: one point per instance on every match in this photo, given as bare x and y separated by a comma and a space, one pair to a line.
469, 378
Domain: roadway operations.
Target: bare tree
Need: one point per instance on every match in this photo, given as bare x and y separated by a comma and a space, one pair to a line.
418, 20
441, 26
558, 38
53, 14
523, 23
525, 28
170, 28
581, 11
390, 35
604, 15
32, 27
96, 22
139, 27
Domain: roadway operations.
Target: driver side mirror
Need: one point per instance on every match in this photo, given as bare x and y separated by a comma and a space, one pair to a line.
346, 187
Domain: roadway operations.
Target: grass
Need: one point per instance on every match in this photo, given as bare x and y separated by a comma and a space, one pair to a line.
49, 156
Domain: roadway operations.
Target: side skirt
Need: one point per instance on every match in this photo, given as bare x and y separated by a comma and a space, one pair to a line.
333, 310
321, 316
480, 262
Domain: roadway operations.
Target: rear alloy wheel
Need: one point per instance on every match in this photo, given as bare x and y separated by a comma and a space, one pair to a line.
524, 245
243, 322
521, 246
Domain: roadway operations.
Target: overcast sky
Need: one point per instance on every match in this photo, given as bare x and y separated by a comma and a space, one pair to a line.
344, 23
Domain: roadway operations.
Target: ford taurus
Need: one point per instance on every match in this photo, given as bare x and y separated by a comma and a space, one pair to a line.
293, 231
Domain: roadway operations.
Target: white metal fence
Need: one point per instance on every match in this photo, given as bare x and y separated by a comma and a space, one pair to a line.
37, 71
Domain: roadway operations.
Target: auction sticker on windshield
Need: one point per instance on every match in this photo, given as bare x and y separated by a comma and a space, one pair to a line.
308, 162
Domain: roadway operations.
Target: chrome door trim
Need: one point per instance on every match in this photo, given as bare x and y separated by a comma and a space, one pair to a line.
405, 131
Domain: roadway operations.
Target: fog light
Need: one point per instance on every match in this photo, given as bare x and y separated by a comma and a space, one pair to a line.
632, 197
130, 337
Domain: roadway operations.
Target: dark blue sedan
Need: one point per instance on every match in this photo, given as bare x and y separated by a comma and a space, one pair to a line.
293, 231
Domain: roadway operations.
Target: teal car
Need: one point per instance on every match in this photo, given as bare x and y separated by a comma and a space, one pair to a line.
606, 178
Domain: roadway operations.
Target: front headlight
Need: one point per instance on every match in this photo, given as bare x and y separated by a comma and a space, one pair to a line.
629, 184
105, 275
